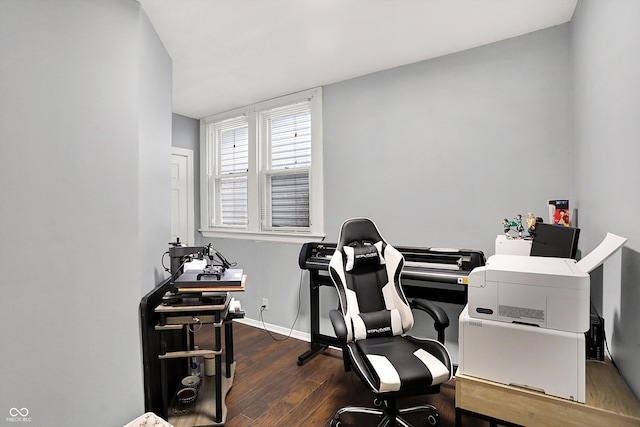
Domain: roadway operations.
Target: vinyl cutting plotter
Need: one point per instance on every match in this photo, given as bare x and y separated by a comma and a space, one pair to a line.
525, 321
438, 274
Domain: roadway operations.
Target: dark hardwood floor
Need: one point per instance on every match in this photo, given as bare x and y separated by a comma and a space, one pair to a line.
270, 389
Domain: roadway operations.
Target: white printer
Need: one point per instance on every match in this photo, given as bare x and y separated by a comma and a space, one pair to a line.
525, 321
551, 293
545, 360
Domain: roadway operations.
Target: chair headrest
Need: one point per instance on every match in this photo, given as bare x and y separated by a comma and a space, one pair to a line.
363, 256
361, 230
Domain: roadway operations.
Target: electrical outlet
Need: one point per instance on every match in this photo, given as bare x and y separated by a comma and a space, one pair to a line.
265, 303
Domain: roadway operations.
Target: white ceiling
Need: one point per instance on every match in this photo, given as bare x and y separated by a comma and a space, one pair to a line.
232, 53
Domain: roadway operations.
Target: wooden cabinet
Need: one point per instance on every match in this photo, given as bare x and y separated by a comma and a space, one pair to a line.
609, 402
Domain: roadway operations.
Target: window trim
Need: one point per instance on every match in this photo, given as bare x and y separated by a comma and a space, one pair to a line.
254, 229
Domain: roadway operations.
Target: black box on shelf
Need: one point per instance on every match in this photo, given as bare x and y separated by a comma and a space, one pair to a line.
594, 337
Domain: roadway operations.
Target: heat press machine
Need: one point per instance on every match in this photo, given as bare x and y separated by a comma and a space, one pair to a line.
193, 282
181, 255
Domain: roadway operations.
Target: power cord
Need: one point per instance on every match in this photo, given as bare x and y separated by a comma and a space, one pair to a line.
198, 323
263, 308
162, 261
606, 345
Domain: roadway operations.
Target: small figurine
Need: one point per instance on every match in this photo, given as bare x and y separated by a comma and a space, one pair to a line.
519, 226
517, 223
506, 225
531, 224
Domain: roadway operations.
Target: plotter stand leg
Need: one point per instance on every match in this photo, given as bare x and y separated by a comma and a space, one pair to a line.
314, 293
319, 342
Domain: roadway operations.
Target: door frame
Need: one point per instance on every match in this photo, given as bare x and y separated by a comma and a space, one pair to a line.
188, 153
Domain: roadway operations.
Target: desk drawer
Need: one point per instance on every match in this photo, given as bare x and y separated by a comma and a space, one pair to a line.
189, 319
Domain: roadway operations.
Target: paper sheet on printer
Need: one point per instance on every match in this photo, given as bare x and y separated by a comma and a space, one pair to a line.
599, 255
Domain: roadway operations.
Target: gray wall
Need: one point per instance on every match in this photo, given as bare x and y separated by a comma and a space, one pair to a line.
439, 152
185, 133
85, 125
605, 40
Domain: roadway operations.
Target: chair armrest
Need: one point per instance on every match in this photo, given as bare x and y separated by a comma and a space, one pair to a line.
439, 316
339, 325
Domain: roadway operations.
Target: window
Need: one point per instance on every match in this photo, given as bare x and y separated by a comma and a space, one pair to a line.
262, 170
285, 135
228, 169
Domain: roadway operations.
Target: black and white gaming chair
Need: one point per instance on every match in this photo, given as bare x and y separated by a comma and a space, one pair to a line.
374, 318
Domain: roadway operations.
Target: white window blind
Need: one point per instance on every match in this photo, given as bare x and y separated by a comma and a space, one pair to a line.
285, 134
230, 140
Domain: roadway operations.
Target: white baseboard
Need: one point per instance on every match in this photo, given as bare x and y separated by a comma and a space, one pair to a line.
303, 336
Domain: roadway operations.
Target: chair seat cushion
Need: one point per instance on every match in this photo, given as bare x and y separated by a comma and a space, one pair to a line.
398, 364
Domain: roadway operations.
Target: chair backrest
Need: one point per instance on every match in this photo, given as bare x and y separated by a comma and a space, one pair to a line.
365, 270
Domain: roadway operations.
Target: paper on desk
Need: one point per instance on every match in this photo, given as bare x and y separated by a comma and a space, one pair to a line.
599, 255
196, 264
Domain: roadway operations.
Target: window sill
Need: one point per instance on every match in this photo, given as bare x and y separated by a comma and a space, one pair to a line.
265, 236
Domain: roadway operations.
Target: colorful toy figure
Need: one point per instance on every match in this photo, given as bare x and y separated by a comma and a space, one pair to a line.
517, 223
506, 225
531, 224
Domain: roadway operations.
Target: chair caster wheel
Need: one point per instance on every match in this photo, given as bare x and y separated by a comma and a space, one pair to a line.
377, 402
433, 419
335, 422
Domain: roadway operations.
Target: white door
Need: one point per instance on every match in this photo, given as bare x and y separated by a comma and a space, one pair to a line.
182, 196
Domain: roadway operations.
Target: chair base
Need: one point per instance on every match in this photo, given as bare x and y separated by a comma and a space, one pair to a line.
389, 413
